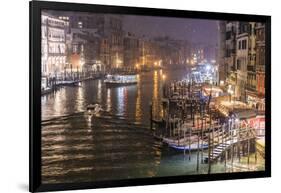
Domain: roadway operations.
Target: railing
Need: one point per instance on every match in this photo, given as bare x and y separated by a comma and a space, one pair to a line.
251, 68
260, 149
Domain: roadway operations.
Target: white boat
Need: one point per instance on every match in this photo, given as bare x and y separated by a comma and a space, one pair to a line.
46, 90
186, 143
193, 146
121, 80
174, 140
94, 109
78, 84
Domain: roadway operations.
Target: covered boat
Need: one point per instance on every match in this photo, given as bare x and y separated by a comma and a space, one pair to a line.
121, 79
188, 143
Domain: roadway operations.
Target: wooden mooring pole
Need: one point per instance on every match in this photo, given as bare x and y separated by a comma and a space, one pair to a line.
209, 151
151, 115
197, 168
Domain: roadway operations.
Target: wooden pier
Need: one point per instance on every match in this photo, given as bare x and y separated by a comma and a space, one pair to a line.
187, 115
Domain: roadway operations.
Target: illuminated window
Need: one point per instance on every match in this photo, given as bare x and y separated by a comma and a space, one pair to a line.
80, 24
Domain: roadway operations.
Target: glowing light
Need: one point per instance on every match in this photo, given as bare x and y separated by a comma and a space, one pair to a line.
108, 100
99, 93
163, 76
138, 113
80, 101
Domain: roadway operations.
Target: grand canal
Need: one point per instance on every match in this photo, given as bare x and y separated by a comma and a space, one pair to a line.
117, 143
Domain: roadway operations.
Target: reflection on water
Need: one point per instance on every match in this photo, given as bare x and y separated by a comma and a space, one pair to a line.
109, 148
138, 102
132, 102
156, 98
108, 100
121, 100
80, 99
99, 89
117, 144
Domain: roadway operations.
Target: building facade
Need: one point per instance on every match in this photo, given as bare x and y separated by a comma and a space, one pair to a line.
260, 65
221, 52
53, 47
131, 51
242, 61
230, 57
109, 28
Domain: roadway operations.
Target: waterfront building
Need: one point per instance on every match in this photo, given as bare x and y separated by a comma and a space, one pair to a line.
85, 50
222, 68
251, 66
230, 57
172, 52
131, 51
242, 61
259, 97
105, 52
109, 28
53, 58
243, 47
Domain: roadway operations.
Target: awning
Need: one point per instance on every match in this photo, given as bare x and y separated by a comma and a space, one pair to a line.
245, 113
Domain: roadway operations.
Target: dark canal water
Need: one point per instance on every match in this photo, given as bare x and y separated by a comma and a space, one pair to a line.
117, 144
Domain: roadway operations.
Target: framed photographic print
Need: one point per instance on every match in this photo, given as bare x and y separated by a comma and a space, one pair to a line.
124, 96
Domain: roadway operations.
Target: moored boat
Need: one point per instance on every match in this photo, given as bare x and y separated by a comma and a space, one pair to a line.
193, 146
77, 84
189, 143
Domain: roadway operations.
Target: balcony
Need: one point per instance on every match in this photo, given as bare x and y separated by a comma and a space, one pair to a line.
233, 68
251, 68
251, 88
260, 68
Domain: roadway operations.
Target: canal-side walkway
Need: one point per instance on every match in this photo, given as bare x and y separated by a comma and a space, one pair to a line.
61, 83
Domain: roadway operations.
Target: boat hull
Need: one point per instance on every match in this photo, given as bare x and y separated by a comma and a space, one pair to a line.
116, 84
183, 144
193, 147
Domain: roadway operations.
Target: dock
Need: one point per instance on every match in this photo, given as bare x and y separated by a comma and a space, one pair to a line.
191, 123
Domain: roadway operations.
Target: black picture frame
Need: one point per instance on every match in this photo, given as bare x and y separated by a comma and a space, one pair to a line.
35, 8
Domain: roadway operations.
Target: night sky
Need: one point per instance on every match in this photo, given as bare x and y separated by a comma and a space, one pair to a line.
194, 30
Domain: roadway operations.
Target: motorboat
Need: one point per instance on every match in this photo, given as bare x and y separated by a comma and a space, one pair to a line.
94, 109
120, 79
78, 84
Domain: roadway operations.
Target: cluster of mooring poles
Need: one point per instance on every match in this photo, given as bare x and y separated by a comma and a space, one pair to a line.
190, 124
